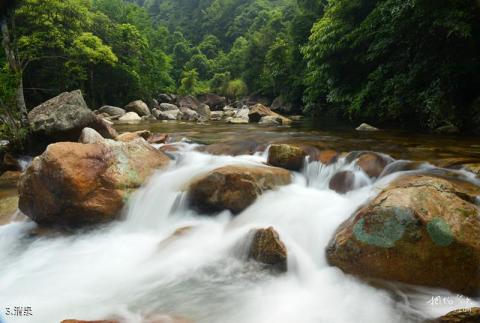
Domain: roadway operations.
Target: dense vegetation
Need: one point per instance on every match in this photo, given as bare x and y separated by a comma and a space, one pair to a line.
411, 63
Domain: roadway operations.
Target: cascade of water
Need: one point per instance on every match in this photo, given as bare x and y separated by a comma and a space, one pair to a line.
135, 268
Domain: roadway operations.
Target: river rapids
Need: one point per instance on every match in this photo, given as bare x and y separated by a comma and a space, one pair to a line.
134, 268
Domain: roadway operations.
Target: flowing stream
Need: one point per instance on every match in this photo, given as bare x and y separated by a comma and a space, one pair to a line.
135, 269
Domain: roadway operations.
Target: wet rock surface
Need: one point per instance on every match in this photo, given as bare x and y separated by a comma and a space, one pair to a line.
421, 230
267, 248
234, 188
286, 156
74, 184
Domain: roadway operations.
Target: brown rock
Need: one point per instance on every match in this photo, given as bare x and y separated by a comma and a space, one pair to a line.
268, 249
328, 157
419, 230
371, 163
465, 315
259, 110
342, 182
74, 184
234, 188
286, 156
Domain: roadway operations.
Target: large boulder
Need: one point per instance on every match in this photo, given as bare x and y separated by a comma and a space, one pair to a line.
112, 111
267, 248
215, 102
421, 230
63, 118
139, 107
234, 188
286, 156
73, 184
258, 111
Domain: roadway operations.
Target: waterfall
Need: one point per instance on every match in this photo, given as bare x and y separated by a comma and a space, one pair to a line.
137, 267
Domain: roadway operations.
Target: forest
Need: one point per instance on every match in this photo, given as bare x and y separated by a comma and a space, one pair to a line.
398, 63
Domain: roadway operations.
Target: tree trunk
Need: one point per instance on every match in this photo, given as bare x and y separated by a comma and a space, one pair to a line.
15, 67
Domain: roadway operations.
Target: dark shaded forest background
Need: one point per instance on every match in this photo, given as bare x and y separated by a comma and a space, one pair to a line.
401, 63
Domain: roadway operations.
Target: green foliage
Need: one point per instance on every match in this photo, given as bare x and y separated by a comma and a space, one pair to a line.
405, 62
236, 89
219, 83
11, 128
191, 85
108, 48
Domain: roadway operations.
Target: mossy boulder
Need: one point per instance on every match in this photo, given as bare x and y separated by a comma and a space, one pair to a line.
286, 156
419, 230
73, 184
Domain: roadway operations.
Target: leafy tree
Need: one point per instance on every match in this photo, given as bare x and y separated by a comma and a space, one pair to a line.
190, 84
236, 89
210, 46
408, 62
219, 82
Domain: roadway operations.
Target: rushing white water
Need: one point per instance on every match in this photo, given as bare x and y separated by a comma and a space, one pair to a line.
129, 270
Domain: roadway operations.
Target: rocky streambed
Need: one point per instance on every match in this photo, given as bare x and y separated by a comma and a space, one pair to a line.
180, 221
